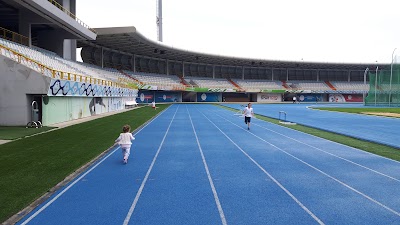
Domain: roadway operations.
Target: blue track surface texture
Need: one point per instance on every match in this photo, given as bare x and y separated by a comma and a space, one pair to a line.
378, 129
198, 164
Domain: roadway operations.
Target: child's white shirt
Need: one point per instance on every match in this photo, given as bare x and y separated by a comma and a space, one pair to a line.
125, 139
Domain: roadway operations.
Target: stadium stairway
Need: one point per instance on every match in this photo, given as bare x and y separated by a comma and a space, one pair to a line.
284, 84
184, 82
131, 77
236, 85
330, 85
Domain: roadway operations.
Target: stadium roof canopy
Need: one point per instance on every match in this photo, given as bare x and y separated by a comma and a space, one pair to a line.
128, 41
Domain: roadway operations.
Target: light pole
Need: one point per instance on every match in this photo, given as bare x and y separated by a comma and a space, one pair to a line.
376, 81
159, 21
365, 80
391, 76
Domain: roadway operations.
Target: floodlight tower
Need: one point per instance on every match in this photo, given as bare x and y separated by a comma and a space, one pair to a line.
159, 20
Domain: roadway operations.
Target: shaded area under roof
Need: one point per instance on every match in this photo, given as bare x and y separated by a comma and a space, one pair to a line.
128, 41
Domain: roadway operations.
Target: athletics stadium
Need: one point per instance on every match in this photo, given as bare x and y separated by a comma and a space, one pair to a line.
329, 157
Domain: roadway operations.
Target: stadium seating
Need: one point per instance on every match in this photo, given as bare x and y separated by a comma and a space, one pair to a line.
210, 83
347, 86
308, 85
165, 82
161, 81
55, 62
259, 84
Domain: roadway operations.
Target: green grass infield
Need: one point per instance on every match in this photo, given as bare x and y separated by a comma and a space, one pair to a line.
361, 110
12, 133
31, 166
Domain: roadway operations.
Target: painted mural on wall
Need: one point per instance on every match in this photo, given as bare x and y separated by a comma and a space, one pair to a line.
73, 88
58, 109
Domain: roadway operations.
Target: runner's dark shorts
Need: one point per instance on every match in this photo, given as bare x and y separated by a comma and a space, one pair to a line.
247, 119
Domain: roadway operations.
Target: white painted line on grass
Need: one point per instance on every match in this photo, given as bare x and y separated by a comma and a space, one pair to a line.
221, 212
132, 208
78, 179
269, 175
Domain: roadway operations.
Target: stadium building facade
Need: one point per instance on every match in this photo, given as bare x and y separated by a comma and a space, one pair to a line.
222, 77
40, 79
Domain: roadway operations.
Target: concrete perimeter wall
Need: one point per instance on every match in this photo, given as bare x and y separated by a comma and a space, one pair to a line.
18, 85
58, 109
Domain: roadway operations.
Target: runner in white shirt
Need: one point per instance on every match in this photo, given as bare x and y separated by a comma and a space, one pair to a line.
125, 141
248, 113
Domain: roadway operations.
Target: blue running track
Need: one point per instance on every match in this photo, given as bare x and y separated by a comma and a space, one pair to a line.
198, 164
378, 129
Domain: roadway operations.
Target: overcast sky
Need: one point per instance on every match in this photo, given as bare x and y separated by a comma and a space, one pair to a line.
352, 31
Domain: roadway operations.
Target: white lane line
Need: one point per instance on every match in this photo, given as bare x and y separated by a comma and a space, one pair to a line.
333, 178
65, 190
269, 175
221, 212
365, 167
80, 178
132, 208
321, 150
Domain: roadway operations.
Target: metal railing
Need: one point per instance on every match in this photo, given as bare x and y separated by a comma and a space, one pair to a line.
56, 4
13, 36
47, 71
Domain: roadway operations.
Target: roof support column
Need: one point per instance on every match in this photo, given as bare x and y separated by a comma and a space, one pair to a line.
287, 74
102, 57
272, 73
242, 72
167, 66
133, 63
348, 76
213, 71
183, 69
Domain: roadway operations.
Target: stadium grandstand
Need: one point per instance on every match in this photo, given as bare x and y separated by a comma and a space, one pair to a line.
221, 76
42, 81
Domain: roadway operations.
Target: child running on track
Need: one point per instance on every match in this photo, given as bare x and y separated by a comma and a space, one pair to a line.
248, 113
125, 141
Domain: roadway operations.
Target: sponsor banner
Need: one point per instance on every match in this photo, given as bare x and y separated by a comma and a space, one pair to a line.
309, 97
148, 87
261, 97
209, 97
145, 97
196, 89
81, 89
327, 92
345, 98
253, 90
168, 97
273, 91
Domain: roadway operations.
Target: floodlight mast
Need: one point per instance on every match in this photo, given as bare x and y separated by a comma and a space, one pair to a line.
159, 21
